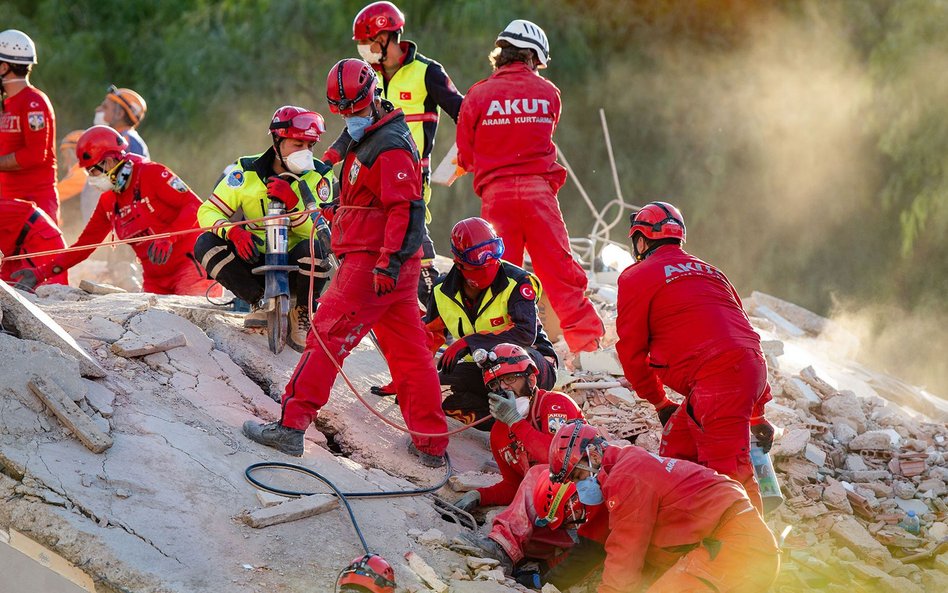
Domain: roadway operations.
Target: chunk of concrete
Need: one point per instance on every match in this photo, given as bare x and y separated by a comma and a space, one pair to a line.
845, 406
875, 440
132, 345
850, 533
427, 574
815, 454
99, 288
269, 499
70, 415
601, 361
802, 393
800, 317
291, 510
99, 397
791, 443
471, 481
812, 379
783, 326
34, 324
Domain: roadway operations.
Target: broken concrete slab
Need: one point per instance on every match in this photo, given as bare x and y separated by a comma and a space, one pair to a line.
850, 533
783, 326
425, 572
797, 315
601, 361
99, 288
791, 443
102, 329
802, 393
812, 379
33, 323
100, 397
132, 345
873, 440
845, 406
467, 481
70, 415
291, 510
268, 499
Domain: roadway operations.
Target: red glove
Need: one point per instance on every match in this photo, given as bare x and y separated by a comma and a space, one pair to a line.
331, 156
453, 354
280, 189
159, 251
244, 242
382, 282
763, 431
328, 210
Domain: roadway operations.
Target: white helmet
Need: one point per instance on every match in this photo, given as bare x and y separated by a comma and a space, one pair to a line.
527, 35
16, 47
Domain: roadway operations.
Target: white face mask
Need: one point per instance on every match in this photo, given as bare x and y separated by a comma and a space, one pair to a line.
100, 182
99, 119
300, 161
523, 405
365, 50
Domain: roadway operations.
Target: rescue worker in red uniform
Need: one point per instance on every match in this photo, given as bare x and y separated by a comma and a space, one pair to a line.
25, 229
27, 129
140, 198
680, 323
679, 524
505, 137
526, 417
418, 86
480, 303
377, 228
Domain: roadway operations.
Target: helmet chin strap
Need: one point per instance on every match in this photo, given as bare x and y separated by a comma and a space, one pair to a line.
279, 153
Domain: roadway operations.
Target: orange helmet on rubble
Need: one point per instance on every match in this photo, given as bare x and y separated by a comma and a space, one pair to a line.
98, 143
375, 18
659, 220
568, 448
371, 572
350, 86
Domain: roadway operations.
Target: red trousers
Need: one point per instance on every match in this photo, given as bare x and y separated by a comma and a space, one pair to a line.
526, 214
514, 527
748, 562
346, 313
712, 427
42, 236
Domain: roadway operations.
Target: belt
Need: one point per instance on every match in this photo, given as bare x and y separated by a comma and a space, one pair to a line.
710, 543
24, 232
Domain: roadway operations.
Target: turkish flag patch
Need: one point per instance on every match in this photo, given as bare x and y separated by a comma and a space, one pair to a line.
496, 321
404, 96
527, 292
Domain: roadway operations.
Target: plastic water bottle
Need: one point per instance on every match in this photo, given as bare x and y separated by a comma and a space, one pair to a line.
766, 477
910, 523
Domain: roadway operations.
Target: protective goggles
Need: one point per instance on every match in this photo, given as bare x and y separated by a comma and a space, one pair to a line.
481, 253
302, 122
507, 380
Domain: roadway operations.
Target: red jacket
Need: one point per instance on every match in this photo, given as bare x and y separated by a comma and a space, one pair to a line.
380, 206
526, 443
506, 127
675, 313
25, 229
656, 503
154, 200
28, 130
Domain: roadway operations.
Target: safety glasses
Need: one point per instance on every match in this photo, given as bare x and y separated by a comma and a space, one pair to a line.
107, 172
481, 253
508, 380
302, 122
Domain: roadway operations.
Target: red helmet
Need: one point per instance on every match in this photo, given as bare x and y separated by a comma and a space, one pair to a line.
556, 503
372, 572
505, 359
350, 86
294, 122
98, 143
375, 18
658, 220
474, 242
568, 447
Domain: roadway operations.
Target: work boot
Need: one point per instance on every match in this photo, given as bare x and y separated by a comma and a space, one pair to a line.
490, 549
257, 316
283, 439
299, 325
427, 459
383, 390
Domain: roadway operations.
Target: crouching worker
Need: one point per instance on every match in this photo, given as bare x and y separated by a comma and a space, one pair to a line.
25, 229
286, 172
141, 198
673, 525
483, 302
526, 417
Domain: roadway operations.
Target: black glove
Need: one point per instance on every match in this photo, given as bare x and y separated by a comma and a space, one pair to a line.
665, 413
28, 278
763, 431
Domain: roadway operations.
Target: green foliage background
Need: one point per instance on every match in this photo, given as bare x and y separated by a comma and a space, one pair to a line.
805, 141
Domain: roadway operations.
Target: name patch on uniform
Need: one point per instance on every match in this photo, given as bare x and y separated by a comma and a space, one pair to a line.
496, 321
404, 96
178, 185
323, 190
36, 119
9, 122
527, 292
354, 171
555, 421
235, 179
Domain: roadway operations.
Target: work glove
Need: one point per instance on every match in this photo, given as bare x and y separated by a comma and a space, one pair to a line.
29, 278
245, 243
331, 156
160, 251
470, 501
452, 354
763, 431
504, 407
280, 189
328, 210
664, 414
382, 282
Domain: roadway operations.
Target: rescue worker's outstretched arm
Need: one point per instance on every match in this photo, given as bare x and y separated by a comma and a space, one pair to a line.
442, 90
95, 231
337, 151
633, 348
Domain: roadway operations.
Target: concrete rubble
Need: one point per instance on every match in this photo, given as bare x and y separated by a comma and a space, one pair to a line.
164, 508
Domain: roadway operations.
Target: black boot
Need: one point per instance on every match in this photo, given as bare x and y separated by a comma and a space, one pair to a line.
281, 438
